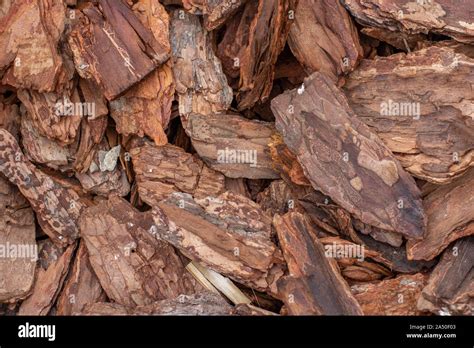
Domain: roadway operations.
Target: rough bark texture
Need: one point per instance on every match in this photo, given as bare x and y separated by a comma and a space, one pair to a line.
346, 161
229, 234
323, 38
81, 287
450, 213
418, 103
396, 296
18, 249
162, 170
237, 147
132, 266
314, 284
48, 285
132, 52
200, 83
57, 208
440, 16
215, 12
450, 289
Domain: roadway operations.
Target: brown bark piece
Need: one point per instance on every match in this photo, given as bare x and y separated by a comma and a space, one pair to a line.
162, 170
132, 266
402, 41
268, 32
215, 12
56, 208
396, 296
48, 285
450, 213
229, 234
440, 16
112, 47
323, 38
29, 34
314, 285
420, 106
18, 249
450, 289
233, 145
81, 286
146, 108
343, 159
200, 82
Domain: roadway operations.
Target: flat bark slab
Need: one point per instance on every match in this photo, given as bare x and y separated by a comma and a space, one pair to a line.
204, 303
163, 170
267, 35
450, 214
314, 285
439, 16
81, 287
233, 145
420, 106
215, 13
133, 267
29, 36
229, 234
200, 82
57, 208
18, 247
324, 38
113, 48
396, 296
48, 284
342, 158
450, 288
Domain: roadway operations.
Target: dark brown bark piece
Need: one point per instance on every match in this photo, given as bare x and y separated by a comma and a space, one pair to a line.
162, 170
113, 48
215, 12
233, 145
450, 213
396, 296
450, 289
18, 249
57, 208
419, 105
323, 38
402, 41
314, 285
229, 234
200, 82
268, 32
440, 16
30, 32
48, 285
346, 161
81, 286
132, 266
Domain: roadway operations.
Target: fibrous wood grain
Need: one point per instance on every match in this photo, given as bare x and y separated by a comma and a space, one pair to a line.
445, 17
81, 286
229, 234
420, 104
396, 296
113, 48
18, 249
233, 145
132, 266
346, 161
162, 170
57, 208
450, 213
323, 38
314, 285
200, 82
450, 288
215, 12
48, 285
